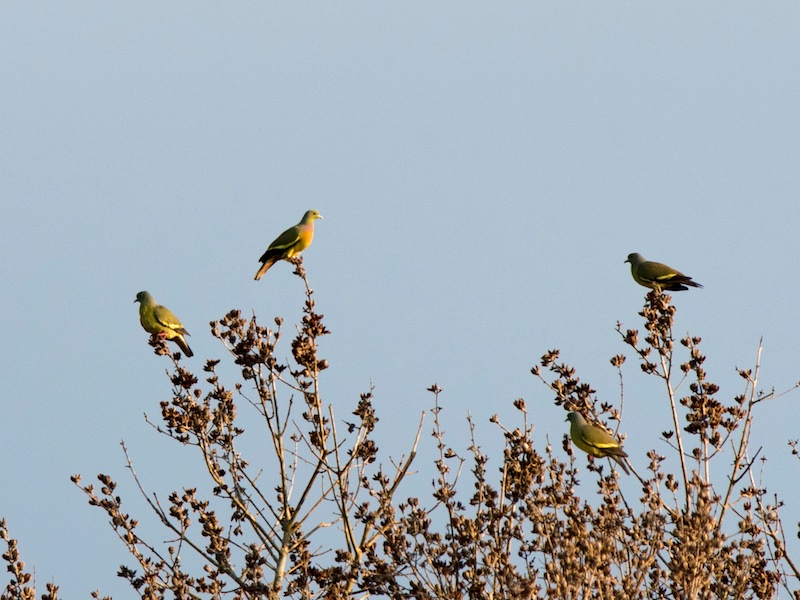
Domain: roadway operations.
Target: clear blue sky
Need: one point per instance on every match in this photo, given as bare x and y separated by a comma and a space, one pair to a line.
483, 170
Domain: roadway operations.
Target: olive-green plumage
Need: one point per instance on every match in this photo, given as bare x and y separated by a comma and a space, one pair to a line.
161, 322
290, 243
658, 276
595, 441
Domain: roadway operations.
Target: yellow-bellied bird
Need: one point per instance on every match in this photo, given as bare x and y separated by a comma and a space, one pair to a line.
161, 322
657, 276
595, 441
290, 243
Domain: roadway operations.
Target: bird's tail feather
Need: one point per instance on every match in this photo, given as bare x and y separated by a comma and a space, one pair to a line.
181, 341
264, 268
621, 461
680, 283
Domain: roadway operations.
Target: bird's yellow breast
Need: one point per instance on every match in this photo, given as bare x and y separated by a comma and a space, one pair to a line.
303, 242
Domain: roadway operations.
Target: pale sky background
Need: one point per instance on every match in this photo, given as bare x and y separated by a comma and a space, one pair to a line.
483, 170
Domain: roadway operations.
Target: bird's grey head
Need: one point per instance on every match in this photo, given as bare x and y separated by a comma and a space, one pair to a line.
142, 297
635, 258
573, 417
311, 215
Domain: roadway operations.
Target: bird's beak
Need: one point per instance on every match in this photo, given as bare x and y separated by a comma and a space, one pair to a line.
624, 261
319, 216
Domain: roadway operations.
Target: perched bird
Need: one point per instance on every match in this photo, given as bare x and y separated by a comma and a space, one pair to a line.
290, 243
657, 276
595, 441
160, 321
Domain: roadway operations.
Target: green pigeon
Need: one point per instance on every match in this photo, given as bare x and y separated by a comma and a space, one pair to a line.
290, 243
657, 276
161, 322
595, 441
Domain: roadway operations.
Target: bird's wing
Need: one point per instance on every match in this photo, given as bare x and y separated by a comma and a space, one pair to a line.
654, 271
286, 240
596, 438
166, 318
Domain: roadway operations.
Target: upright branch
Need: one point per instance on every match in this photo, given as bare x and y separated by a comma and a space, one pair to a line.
706, 417
746, 402
659, 316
